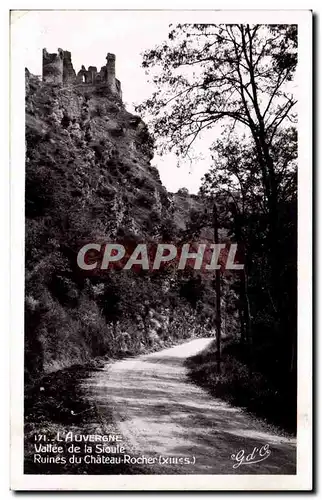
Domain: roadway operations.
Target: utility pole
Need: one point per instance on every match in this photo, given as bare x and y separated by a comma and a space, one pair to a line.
218, 293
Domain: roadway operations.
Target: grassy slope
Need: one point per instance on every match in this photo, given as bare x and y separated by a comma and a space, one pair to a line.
255, 392
88, 179
58, 404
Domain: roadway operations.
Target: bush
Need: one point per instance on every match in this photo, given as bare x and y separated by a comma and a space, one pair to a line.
253, 391
39, 194
183, 192
145, 200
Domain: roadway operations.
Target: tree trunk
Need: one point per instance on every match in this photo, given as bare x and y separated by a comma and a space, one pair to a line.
241, 321
246, 327
114, 329
145, 316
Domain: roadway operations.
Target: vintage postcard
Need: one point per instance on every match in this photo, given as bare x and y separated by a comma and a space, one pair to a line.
161, 196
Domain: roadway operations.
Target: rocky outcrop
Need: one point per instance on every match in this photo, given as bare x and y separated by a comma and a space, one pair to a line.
89, 179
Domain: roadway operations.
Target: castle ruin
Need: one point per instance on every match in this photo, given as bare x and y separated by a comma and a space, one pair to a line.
57, 68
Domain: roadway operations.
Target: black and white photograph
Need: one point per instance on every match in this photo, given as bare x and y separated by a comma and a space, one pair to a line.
162, 196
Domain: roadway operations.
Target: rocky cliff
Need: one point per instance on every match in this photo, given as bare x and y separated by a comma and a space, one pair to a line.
89, 179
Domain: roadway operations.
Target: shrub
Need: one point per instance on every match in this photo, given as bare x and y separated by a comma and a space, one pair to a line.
253, 391
145, 200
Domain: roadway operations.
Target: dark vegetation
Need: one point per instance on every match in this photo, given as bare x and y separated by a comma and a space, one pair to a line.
242, 77
58, 403
88, 182
260, 392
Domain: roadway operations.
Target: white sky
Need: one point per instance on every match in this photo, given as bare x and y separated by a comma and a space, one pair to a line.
89, 35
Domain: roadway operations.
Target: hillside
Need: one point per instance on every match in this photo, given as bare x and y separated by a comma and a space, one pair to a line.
89, 179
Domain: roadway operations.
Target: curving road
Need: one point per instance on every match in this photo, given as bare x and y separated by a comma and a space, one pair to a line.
160, 413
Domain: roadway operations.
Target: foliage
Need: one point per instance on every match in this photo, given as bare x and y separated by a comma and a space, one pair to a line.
241, 77
213, 72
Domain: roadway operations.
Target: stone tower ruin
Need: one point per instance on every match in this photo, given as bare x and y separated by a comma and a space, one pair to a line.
52, 66
57, 68
110, 72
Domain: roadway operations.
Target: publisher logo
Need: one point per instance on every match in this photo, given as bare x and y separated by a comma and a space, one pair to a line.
256, 456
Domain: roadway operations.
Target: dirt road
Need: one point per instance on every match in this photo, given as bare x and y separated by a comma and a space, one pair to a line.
184, 430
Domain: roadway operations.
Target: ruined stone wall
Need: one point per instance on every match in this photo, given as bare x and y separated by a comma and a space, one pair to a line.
52, 66
118, 88
58, 68
69, 75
